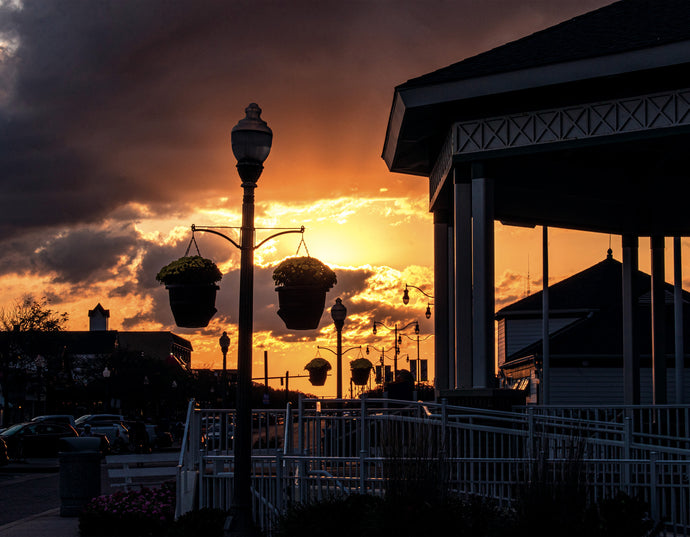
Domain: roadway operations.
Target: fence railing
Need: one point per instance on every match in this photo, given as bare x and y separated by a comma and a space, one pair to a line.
326, 448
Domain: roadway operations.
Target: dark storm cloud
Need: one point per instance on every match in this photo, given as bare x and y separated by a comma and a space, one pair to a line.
108, 102
85, 255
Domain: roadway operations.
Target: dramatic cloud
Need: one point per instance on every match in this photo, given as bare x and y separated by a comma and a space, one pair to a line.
115, 119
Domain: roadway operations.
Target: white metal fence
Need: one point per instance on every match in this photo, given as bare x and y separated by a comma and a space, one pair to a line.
327, 448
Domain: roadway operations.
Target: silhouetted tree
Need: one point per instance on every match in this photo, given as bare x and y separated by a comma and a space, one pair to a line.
19, 363
30, 314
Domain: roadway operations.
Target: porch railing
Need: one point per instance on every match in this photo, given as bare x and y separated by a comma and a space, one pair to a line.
325, 448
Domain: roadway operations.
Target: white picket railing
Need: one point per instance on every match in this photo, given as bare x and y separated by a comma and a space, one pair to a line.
325, 448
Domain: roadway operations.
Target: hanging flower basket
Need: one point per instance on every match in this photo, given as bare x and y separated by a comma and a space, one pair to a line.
360, 369
190, 282
318, 371
302, 286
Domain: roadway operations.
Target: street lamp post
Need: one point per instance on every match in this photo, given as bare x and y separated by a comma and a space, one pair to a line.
398, 339
251, 143
338, 313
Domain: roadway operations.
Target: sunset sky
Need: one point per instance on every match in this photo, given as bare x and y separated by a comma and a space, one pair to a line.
115, 121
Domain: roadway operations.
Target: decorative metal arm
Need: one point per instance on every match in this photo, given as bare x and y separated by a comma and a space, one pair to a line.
209, 230
415, 338
395, 328
382, 350
406, 299
344, 352
406, 294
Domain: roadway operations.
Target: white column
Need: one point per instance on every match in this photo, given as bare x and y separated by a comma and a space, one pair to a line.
658, 322
631, 354
678, 319
463, 283
546, 352
483, 363
450, 320
441, 306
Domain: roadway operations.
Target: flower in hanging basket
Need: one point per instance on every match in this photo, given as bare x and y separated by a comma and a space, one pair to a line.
191, 284
189, 269
318, 371
318, 363
360, 369
302, 286
304, 271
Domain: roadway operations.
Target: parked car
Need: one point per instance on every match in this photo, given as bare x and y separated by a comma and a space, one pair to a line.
115, 431
56, 418
36, 439
4, 456
212, 438
90, 418
159, 438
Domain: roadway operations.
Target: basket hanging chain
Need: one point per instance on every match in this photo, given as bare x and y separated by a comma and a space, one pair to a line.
193, 240
318, 354
301, 242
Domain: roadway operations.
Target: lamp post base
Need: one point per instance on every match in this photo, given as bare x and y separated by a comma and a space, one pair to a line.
239, 523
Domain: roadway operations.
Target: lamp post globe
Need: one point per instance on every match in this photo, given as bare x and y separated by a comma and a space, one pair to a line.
224, 342
338, 314
251, 142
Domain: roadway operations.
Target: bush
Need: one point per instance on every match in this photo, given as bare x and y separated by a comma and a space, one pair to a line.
373, 516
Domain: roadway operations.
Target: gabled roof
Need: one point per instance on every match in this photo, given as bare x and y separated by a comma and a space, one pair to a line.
619, 27
597, 293
610, 52
595, 288
100, 310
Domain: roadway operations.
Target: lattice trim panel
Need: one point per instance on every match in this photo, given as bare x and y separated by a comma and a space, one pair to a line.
593, 120
566, 124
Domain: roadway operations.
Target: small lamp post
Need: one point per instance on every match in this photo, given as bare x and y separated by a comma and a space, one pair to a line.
338, 313
224, 342
397, 340
106, 377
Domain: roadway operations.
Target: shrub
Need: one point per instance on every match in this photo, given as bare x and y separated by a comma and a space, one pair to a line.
189, 270
304, 271
372, 516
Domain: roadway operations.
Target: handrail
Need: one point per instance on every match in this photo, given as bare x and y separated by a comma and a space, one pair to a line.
185, 435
